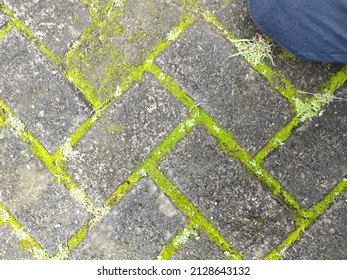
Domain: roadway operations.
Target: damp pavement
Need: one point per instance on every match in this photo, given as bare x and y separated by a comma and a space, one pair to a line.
146, 130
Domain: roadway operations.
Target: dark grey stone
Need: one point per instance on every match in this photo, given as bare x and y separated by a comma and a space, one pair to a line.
37, 93
227, 88
129, 130
307, 76
10, 247
56, 23
199, 247
137, 228
242, 209
326, 239
314, 158
28, 191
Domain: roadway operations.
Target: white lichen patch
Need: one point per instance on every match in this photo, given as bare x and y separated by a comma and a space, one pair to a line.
184, 237
66, 149
119, 3
174, 34
4, 215
16, 124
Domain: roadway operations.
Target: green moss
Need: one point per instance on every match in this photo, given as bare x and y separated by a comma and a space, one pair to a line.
191, 211
182, 237
6, 29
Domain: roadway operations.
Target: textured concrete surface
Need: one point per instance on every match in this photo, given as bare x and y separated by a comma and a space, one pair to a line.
151, 130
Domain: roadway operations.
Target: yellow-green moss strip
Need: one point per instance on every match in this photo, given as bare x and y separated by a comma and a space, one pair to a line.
27, 243
171, 85
182, 237
124, 188
66, 248
51, 163
306, 222
230, 146
277, 140
192, 212
2, 117
30, 36
5, 29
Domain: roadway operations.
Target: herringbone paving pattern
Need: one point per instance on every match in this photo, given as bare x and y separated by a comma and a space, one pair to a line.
157, 130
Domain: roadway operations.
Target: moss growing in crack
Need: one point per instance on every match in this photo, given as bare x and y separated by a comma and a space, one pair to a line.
306, 110
16, 124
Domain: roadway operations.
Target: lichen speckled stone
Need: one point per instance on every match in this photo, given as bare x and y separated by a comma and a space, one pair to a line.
37, 93
137, 228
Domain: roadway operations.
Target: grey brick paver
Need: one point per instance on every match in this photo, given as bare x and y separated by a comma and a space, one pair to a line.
137, 228
241, 209
137, 130
37, 92
314, 158
56, 23
124, 137
29, 192
237, 96
326, 240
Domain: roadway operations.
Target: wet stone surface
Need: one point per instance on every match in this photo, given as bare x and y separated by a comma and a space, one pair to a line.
29, 192
126, 134
242, 210
314, 158
234, 94
56, 23
326, 239
137, 228
37, 93
199, 248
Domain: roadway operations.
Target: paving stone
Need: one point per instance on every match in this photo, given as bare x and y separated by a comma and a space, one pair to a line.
56, 23
123, 40
199, 248
37, 93
124, 137
9, 246
306, 76
137, 228
227, 88
242, 210
28, 191
314, 158
326, 239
